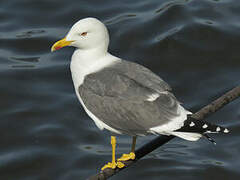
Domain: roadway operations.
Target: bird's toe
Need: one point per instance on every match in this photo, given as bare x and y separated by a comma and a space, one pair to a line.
113, 165
126, 157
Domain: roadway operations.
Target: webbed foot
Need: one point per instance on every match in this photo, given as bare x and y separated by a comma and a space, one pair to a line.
126, 157
113, 165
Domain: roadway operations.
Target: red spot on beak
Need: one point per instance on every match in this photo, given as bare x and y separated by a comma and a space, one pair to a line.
58, 47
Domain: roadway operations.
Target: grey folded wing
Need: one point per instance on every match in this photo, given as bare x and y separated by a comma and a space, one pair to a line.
129, 98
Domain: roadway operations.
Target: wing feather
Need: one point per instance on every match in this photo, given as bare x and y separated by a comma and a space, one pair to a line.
119, 96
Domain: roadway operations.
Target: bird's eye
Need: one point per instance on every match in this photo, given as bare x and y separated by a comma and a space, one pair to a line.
84, 34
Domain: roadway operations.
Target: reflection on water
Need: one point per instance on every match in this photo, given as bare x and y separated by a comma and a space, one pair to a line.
23, 66
28, 34
45, 133
27, 59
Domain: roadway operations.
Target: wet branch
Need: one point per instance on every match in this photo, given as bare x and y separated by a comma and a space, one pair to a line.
160, 140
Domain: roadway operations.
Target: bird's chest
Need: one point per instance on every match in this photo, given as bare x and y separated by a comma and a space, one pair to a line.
78, 73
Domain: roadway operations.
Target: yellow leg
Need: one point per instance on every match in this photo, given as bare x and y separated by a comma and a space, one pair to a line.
131, 155
113, 164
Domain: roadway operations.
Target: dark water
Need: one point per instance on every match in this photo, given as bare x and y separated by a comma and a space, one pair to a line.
44, 132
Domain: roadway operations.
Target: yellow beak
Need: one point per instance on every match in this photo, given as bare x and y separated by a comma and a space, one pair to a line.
60, 44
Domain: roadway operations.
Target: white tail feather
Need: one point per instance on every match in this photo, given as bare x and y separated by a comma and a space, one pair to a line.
188, 136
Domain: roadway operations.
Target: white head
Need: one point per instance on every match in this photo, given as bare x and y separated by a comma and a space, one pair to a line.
88, 33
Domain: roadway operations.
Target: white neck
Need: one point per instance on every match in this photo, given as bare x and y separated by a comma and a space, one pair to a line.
87, 56
85, 62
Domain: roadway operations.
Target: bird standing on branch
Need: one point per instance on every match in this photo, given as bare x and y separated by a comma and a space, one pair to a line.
124, 97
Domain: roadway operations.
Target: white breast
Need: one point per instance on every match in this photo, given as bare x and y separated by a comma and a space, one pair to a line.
81, 65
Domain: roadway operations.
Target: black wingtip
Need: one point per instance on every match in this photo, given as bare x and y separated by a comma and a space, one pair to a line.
202, 127
210, 139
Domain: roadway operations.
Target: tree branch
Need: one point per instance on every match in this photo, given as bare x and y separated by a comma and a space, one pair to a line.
160, 140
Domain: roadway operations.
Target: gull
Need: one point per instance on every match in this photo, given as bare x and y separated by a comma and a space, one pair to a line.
125, 97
